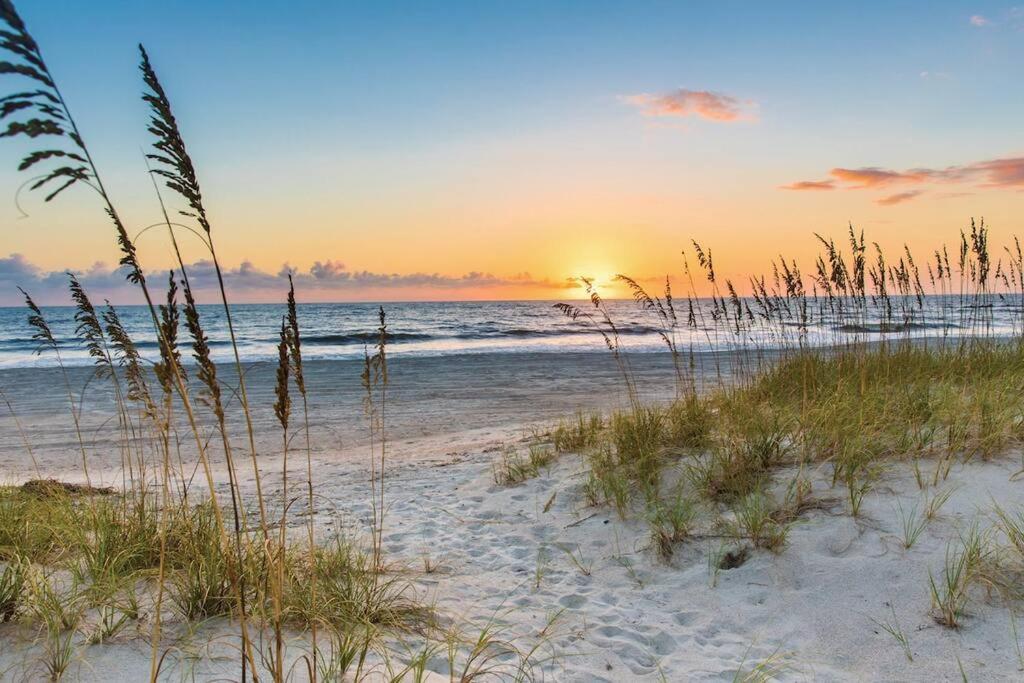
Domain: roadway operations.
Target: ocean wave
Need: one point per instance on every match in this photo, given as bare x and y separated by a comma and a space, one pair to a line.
364, 338
479, 333
890, 328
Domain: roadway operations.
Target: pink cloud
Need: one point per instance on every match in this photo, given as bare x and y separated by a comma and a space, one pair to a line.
704, 104
979, 21
1006, 172
876, 177
1001, 172
802, 185
898, 198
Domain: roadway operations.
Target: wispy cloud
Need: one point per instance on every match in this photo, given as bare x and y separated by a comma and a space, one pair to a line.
323, 280
872, 176
1011, 19
898, 198
811, 185
1003, 173
703, 104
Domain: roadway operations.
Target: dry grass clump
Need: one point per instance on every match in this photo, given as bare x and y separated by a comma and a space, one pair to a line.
608, 481
481, 652
349, 591
34, 528
110, 574
110, 543
515, 467
688, 424
12, 588
671, 520
899, 401
750, 442
756, 517
638, 438
577, 434
969, 562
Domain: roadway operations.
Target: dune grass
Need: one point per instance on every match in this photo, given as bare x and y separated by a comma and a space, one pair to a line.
849, 412
515, 467
864, 365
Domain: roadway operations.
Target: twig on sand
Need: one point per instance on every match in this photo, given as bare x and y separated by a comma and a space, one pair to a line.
580, 521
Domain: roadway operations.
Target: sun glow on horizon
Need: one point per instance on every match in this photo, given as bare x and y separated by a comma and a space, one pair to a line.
602, 278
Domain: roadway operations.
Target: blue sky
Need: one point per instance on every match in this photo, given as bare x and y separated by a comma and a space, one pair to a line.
403, 137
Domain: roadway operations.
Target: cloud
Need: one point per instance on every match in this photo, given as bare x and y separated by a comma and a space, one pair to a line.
873, 176
803, 185
1012, 19
323, 280
703, 104
898, 198
1002, 173
329, 270
16, 267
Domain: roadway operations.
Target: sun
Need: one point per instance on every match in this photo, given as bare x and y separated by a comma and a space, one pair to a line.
602, 277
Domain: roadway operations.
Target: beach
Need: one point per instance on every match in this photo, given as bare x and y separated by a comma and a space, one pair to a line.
538, 562
437, 405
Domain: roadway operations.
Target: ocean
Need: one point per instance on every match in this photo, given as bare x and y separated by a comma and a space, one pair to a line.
341, 331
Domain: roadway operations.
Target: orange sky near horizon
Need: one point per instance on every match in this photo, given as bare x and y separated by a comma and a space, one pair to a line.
531, 244
416, 160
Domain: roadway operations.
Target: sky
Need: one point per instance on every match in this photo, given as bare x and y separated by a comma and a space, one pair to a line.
496, 150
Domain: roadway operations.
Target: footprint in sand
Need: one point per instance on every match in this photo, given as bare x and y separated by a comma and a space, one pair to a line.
684, 618
572, 601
